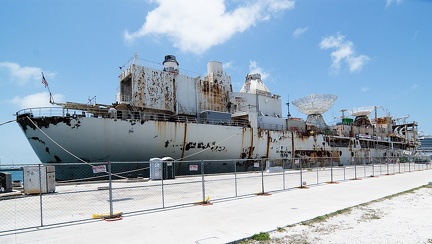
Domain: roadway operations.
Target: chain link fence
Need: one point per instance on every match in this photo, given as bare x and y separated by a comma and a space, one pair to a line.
44, 196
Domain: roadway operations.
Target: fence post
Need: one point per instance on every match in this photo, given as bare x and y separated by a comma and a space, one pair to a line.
355, 169
162, 183
235, 178
409, 166
262, 177
283, 174
364, 167
40, 195
301, 173
202, 180
110, 190
399, 162
331, 169
344, 172
380, 166
387, 166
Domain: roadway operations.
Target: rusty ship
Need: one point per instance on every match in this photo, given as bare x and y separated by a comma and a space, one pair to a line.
160, 112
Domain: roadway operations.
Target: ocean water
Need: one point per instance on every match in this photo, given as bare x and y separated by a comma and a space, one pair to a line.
16, 174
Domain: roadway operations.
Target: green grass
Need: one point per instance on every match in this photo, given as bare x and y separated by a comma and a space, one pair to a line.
262, 236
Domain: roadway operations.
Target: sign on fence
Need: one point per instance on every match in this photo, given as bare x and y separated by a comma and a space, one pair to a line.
193, 167
99, 169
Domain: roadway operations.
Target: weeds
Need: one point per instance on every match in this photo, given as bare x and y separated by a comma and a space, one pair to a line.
262, 236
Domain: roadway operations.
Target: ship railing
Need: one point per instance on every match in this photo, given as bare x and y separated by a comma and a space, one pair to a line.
61, 111
125, 98
268, 126
189, 119
240, 123
41, 111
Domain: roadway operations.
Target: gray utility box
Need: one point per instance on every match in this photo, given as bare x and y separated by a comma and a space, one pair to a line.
39, 179
5, 182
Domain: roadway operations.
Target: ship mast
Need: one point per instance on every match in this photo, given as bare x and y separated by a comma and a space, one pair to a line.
288, 104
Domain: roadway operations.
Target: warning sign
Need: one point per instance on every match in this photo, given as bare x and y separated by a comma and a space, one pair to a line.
193, 167
99, 169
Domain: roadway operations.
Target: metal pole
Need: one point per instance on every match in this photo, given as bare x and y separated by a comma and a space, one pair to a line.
301, 173
364, 167
202, 180
344, 172
40, 195
387, 162
355, 169
399, 162
409, 166
262, 177
162, 182
110, 190
381, 167
283, 174
235, 178
331, 169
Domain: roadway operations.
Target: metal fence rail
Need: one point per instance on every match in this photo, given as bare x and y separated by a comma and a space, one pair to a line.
151, 186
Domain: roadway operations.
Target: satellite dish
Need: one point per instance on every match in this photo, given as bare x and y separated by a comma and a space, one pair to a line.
361, 111
314, 106
315, 103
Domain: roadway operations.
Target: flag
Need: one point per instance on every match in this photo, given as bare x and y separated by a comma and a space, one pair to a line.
44, 81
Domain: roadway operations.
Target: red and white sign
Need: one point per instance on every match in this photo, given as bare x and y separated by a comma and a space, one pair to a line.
99, 169
193, 167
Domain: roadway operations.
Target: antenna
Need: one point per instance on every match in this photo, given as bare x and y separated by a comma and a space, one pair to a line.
343, 113
90, 101
289, 115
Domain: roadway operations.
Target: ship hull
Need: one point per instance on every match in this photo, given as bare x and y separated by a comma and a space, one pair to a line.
66, 140
63, 140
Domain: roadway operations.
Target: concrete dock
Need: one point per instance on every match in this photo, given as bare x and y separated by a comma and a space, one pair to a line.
225, 221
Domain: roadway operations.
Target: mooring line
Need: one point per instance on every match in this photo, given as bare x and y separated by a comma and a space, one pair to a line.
73, 155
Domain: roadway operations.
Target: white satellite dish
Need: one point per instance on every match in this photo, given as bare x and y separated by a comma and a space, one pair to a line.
361, 111
315, 103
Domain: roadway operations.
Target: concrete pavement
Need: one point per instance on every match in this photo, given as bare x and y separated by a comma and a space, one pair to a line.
228, 220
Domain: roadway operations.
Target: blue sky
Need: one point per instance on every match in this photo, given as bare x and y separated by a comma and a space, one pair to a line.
367, 52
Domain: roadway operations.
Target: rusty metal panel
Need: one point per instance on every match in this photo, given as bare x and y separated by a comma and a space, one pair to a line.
186, 96
212, 96
153, 89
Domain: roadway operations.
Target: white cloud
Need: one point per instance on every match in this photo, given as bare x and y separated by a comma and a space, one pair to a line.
227, 65
254, 68
24, 75
41, 99
390, 2
365, 89
299, 31
197, 25
343, 53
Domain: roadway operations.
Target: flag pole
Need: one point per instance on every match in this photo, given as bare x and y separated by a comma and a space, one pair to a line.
47, 86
